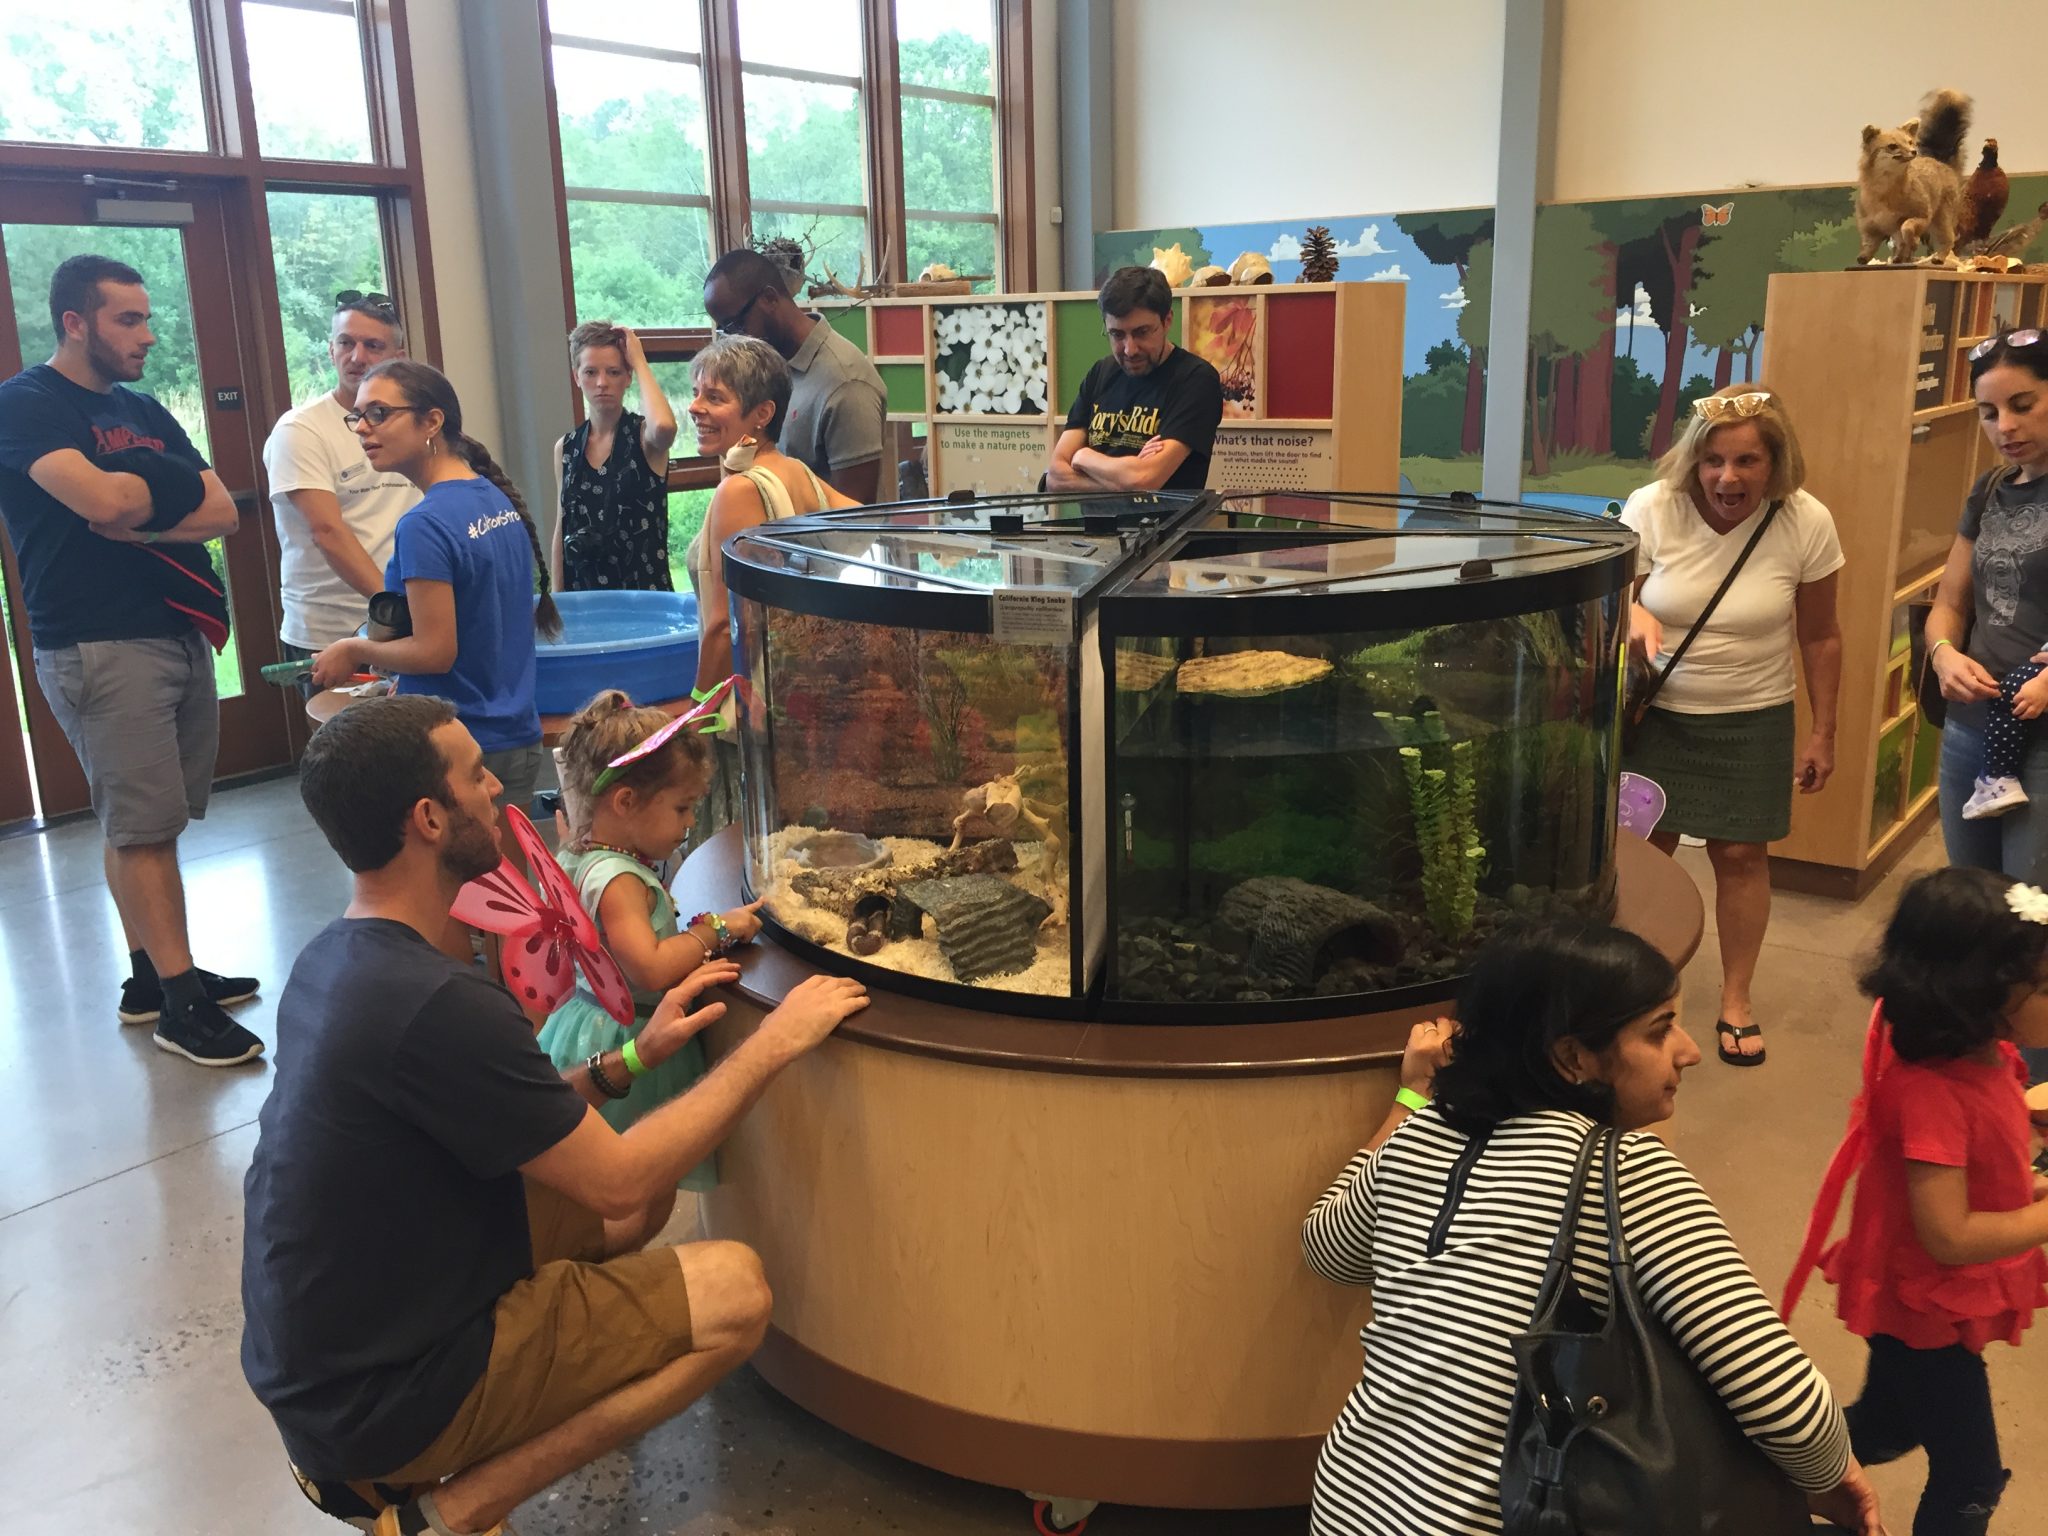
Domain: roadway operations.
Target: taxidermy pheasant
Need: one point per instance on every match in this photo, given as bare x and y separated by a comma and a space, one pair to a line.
1984, 196
2014, 241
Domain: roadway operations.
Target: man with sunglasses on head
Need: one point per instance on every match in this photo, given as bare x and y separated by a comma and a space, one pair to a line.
336, 514
834, 422
1145, 416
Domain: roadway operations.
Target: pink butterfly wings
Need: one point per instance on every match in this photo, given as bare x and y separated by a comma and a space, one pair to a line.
548, 935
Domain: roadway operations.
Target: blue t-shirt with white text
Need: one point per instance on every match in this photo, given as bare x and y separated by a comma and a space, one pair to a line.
465, 532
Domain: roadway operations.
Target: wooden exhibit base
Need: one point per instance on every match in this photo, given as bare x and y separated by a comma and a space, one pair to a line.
1064, 1256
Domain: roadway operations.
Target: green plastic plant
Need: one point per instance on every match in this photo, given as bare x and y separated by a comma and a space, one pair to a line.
1443, 801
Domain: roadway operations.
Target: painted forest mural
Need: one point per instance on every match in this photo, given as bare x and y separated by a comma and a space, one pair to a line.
1638, 307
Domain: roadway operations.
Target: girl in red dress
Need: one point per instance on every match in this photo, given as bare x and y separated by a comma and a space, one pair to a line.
1943, 1253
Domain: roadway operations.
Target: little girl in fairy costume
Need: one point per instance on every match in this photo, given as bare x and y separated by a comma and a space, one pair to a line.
628, 811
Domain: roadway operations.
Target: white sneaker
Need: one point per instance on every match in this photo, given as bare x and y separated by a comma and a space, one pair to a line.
1993, 797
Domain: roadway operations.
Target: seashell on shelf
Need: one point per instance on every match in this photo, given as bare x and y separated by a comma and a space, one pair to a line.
1251, 267
1211, 277
937, 272
1175, 263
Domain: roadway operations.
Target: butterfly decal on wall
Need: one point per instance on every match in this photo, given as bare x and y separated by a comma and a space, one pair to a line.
1712, 216
548, 936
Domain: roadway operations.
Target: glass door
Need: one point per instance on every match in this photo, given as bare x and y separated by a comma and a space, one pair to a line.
176, 238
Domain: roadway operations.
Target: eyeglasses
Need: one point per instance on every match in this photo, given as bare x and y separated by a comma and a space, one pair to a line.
1713, 408
379, 304
2025, 338
376, 414
732, 327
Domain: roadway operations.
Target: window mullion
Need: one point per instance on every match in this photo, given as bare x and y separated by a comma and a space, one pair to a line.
882, 114
725, 123
1016, 190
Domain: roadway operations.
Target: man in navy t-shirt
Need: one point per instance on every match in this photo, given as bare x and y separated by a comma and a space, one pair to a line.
448, 1297
109, 507
1145, 416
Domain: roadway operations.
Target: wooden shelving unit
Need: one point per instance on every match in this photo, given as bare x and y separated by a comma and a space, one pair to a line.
1874, 367
1318, 366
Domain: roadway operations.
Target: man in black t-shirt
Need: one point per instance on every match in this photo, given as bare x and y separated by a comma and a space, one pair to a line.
110, 508
446, 1301
1145, 419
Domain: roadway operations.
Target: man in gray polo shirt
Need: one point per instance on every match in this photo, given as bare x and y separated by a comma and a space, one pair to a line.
835, 397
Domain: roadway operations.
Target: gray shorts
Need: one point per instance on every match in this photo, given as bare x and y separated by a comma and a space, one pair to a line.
518, 769
144, 719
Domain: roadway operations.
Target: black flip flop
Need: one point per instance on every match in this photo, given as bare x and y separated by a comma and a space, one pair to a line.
1738, 1032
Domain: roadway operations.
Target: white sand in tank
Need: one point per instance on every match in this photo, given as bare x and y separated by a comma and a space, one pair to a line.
1049, 975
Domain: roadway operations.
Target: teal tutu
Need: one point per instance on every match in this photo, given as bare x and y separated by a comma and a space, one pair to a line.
581, 1026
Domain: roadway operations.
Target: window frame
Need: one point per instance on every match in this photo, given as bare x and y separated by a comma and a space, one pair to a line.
881, 93
235, 165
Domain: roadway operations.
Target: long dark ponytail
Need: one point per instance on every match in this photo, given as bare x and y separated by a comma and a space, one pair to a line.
427, 388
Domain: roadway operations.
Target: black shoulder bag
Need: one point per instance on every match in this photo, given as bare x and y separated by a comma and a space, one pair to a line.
1643, 683
1613, 1427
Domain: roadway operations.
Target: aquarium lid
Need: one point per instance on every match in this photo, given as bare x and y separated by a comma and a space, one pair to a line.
1375, 560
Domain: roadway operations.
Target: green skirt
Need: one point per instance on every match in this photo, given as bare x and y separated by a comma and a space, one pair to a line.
1725, 777
581, 1026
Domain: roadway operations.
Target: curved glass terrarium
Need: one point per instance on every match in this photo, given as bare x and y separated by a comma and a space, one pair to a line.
1349, 737
1175, 759
925, 702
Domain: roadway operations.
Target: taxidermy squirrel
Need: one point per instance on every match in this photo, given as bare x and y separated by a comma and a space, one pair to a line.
1910, 184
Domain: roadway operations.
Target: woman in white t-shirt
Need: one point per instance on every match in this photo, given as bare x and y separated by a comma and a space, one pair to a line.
1719, 737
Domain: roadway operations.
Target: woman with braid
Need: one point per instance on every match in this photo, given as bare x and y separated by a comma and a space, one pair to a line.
466, 558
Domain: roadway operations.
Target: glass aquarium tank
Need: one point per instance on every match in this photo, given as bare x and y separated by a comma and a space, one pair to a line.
923, 707
1349, 737
1176, 758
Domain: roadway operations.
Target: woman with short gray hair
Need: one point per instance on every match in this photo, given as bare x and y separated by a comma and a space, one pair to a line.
740, 399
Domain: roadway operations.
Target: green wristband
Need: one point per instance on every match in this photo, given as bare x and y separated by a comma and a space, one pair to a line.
630, 1052
1408, 1098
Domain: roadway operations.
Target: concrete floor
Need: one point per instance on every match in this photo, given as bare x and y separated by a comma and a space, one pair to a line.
120, 1229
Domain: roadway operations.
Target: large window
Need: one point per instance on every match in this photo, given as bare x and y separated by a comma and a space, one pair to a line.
806, 162
113, 72
629, 98
302, 112
946, 62
247, 198
323, 243
782, 124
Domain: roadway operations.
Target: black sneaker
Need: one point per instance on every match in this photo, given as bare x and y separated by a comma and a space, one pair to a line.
143, 1001
206, 1035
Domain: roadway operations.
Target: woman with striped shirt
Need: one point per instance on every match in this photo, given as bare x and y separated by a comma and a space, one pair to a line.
1449, 1214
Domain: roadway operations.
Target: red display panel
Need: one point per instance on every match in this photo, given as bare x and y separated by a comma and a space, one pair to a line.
1301, 354
899, 332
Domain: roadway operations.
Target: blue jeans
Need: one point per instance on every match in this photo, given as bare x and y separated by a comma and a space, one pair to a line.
2015, 843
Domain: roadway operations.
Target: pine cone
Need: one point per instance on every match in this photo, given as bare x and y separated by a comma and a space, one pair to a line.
1318, 255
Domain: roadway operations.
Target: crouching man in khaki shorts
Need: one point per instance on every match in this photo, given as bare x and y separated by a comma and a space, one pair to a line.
448, 1303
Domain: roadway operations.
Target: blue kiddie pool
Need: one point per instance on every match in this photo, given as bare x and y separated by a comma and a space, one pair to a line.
642, 642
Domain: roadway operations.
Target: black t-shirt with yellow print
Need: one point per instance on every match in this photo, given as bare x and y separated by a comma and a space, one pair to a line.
1181, 399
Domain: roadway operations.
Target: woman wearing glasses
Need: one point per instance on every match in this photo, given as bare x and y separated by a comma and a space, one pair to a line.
1989, 624
739, 400
611, 523
465, 558
1719, 736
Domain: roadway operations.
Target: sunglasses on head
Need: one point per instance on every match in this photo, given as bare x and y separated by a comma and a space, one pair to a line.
2026, 338
378, 304
1712, 408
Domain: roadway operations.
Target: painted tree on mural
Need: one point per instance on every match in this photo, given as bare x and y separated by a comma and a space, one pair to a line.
1448, 239
1735, 264
1569, 314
